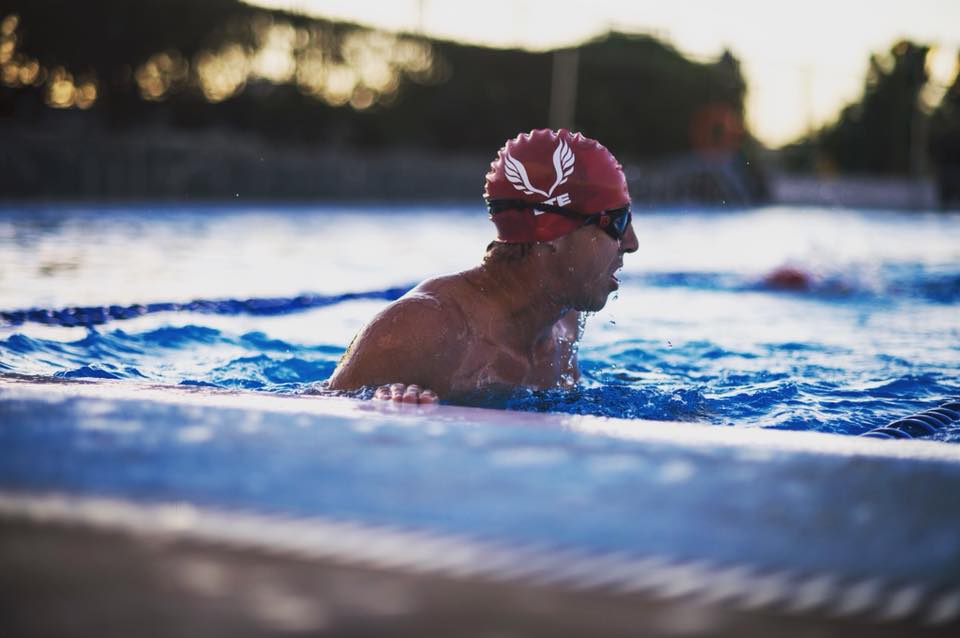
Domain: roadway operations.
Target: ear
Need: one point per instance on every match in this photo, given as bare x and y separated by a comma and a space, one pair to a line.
547, 247
567, 243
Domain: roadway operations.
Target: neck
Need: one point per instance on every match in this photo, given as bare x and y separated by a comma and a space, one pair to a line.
527, 308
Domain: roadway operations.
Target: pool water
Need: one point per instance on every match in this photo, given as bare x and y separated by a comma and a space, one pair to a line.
266, 298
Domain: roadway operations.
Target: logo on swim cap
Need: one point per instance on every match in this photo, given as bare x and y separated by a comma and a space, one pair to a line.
563, 160
530, 170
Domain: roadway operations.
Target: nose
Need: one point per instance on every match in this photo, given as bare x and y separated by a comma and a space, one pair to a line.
629, 243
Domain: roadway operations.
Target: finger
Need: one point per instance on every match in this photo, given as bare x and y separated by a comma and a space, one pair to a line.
382, 393
428, 396
396, 391
412, 395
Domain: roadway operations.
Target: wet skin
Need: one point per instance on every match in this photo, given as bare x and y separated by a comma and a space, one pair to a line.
503, 324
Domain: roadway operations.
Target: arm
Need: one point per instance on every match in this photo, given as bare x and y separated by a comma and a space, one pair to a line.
413, 341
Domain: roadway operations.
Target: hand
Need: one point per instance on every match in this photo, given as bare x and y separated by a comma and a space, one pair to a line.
406, 393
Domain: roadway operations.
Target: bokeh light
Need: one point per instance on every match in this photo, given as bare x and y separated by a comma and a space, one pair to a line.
61, 91
19, 70
358, 67
85, 93
162, 73
29, 72
9, 61
223, 73
274, 59
9, 24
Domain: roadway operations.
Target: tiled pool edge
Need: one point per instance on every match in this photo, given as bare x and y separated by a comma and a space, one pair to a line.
681, 433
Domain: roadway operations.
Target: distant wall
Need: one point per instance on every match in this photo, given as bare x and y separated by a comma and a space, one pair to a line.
169, 164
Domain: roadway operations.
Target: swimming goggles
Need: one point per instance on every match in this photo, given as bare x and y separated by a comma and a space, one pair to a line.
614, 222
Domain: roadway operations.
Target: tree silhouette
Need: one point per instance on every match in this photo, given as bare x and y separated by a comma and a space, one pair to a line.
879, 133
640, 96
945, 142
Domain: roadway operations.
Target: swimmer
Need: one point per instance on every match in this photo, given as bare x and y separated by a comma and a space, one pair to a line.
788, 278
561, 208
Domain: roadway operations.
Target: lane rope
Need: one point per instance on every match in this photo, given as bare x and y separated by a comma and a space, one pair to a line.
97, 315
920, 424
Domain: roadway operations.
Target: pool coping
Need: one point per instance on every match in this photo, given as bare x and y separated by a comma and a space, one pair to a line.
734, 588
685, 433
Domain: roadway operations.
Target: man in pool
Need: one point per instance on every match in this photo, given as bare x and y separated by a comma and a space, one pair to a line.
561, 207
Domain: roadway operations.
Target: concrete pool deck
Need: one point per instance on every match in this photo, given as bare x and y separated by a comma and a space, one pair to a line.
173, 511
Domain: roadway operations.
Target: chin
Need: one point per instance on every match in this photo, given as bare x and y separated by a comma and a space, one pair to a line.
592, 305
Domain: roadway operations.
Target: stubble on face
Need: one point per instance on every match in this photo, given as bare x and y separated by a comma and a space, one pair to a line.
590, 258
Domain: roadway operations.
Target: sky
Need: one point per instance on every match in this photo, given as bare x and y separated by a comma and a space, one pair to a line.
803, 60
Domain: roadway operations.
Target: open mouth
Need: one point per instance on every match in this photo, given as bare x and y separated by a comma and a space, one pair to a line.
613, 275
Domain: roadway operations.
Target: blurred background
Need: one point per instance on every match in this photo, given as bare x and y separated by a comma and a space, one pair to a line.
850, 103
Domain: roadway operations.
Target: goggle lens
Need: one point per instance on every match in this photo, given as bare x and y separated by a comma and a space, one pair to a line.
621, 221
613, 222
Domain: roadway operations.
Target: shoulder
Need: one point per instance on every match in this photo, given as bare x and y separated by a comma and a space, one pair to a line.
416, 339
447, 297
436, 299
419, 313
441, 288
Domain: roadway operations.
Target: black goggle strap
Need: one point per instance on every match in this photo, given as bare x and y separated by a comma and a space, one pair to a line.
495, 206
620, 217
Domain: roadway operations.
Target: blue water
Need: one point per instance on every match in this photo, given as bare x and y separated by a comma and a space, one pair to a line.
267, 299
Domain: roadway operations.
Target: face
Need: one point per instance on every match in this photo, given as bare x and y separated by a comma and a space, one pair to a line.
588, 259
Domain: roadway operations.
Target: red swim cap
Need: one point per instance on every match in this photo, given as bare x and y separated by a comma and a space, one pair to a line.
555, 168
